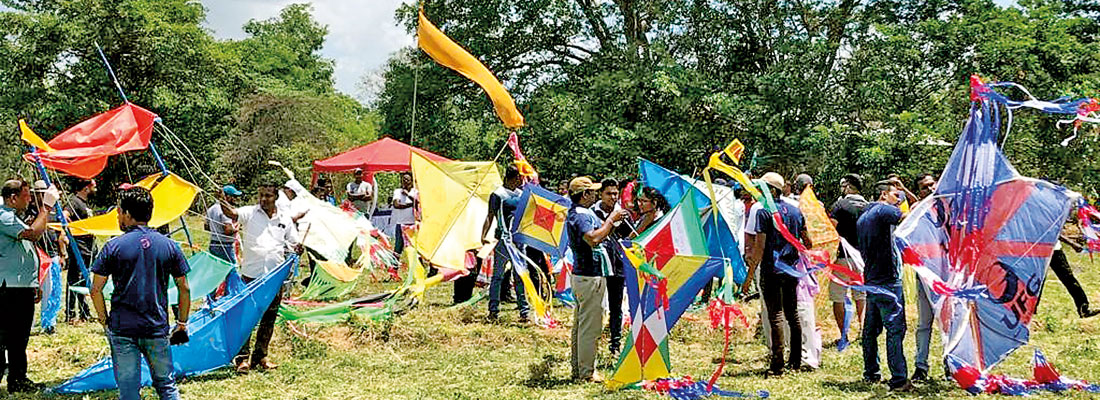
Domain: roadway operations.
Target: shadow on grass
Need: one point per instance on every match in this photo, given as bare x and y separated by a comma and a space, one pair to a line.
541, 374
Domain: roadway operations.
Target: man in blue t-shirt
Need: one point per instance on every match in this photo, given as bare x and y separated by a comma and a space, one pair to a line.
139, 264
778, 289
586, 232
502, 204
875, 229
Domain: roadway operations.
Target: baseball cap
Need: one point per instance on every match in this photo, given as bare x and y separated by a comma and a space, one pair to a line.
774, 179
39, 185
582, 183
231, 190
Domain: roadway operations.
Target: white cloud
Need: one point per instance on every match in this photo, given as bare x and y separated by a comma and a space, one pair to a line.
362, 33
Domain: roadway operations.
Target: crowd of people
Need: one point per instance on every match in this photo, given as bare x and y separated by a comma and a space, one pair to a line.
142, 261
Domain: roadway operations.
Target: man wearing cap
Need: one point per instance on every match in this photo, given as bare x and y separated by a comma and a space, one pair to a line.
19, 278
586, 232
882, 269
361, 194
223, 232
778, 289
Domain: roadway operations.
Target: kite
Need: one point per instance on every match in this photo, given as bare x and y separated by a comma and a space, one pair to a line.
525, 168
82, 150
819, 228
206, 275
454, 203
217, 332
539, 220
1087, 218
172, 197
49, 282
986, 230
718, 228
1044, 377
664, 269
449, 54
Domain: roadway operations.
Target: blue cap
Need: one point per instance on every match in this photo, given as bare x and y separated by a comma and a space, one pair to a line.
230, 190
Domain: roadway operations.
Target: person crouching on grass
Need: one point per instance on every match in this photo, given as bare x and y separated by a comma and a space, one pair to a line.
139, 263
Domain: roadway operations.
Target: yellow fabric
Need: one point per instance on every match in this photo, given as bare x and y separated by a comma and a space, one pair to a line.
339, 270
820, 229
453, 203
532, 296
172, 196
449, 54
31, 138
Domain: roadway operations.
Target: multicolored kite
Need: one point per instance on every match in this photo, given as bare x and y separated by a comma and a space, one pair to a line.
664, 271
986, 228
540, 220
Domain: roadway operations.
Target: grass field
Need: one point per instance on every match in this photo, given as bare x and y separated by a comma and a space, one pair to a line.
439, 353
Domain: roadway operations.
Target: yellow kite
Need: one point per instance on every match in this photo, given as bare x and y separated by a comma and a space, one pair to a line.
449, 54
818, 226
172, 196
454, 200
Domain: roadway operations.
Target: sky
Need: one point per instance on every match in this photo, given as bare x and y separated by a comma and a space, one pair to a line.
362, 33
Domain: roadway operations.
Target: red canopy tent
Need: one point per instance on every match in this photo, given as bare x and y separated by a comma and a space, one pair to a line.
382, 155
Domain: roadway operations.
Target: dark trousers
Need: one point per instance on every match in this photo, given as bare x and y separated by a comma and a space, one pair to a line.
75, 305
885, 312
615, 287
779, 294
264, 331
464, 286
399, 239
1060, 265
17, 314
543, 271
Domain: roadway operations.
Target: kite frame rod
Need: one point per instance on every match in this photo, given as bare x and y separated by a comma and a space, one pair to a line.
61, 218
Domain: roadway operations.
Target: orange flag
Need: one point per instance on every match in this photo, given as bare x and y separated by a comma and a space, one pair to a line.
449, 54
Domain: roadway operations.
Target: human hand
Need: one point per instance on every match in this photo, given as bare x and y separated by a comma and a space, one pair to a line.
299, 248
618, 215
37, 295
50, 196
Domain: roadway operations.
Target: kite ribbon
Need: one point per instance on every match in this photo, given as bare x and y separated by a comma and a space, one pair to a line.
449, 54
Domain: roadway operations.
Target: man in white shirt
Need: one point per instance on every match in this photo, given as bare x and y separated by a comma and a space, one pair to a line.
266, 236
361, 194
404, 209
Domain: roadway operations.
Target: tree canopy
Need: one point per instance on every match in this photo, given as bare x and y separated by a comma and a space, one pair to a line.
819, 86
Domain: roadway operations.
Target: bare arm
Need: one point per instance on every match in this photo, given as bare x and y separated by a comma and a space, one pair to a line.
750, 251
184, 299
228, 209
38, 226
485, 228
595, 236
98, 281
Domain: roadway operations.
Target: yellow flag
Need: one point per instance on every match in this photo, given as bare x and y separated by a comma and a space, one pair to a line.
449, 54
31, 138
818, 226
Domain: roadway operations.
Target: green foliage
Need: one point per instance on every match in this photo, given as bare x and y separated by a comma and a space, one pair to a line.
211, 93
825, 87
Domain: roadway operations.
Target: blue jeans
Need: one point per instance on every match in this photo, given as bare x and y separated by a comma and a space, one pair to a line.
223, 251
500, 261
126, 354
883, 311
924, 326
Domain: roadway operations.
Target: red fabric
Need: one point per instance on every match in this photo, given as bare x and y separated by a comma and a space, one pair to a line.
383, 155
82, 150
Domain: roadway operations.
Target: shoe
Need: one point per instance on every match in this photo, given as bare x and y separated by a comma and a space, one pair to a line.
23, 386
1085, 312
493, 317
807, 368
243, 366
920, 375
595, 378
842, 344
872, 381
265, 364
614, 351
907, 387
771, 372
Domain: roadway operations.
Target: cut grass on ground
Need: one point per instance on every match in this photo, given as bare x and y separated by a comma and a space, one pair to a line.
435, 352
